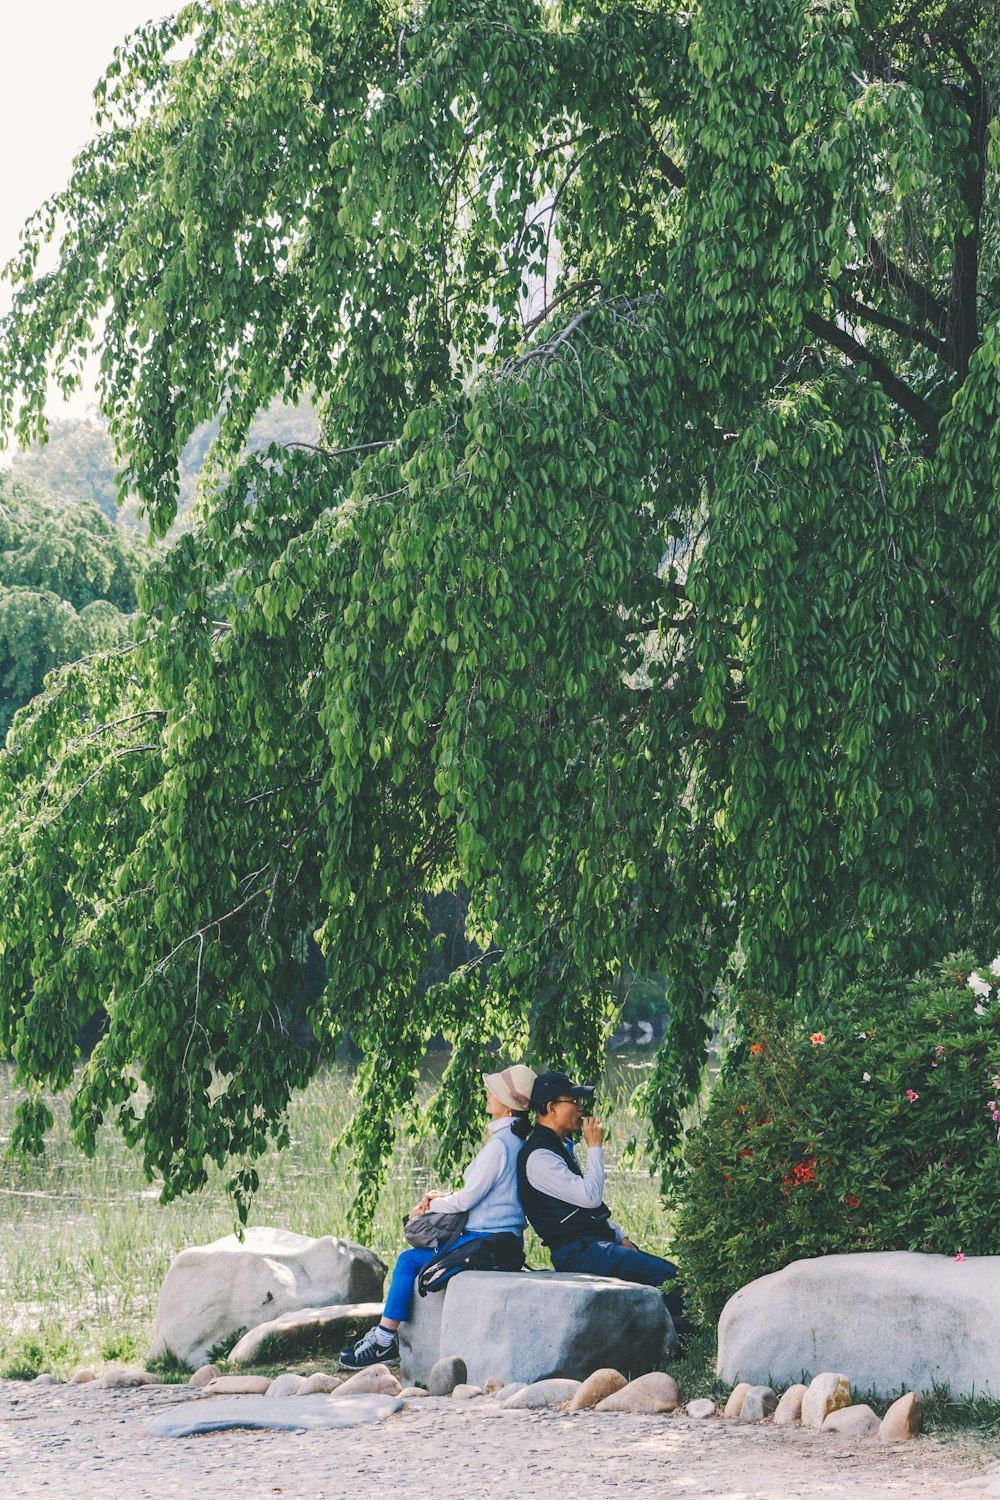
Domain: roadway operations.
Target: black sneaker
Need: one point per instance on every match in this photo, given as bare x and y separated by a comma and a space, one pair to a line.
368, 1351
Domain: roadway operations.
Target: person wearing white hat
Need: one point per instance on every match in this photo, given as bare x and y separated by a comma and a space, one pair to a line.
489, 1197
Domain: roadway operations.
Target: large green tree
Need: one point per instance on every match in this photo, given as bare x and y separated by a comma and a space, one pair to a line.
646, 582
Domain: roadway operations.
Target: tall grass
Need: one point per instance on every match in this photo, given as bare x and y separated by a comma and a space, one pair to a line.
85, 1244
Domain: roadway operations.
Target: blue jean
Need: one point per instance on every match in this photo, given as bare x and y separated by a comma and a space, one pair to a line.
606, 1258
405, 1272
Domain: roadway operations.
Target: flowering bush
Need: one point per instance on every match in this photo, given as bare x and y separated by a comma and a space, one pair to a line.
879, 1132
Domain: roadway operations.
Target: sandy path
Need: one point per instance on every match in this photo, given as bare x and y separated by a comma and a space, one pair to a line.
71, 1443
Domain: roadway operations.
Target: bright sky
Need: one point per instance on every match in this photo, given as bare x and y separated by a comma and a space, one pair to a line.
53, 51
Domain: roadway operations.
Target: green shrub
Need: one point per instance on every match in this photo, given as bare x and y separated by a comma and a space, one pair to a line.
876, 1129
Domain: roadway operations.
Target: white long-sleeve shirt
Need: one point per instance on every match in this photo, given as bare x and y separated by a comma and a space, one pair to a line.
482, 1173
551, 1175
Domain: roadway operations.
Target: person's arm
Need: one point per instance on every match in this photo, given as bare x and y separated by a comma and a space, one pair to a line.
550, 1174
482, 1173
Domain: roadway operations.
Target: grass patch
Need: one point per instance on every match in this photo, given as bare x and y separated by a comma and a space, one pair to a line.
47, 1350
171, 1369
693, 1367
85, 1244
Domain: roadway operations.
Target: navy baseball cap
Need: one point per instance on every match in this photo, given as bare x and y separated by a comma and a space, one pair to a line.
549, 1086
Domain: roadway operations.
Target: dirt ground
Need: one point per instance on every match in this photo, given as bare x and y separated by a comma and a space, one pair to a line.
76, 1443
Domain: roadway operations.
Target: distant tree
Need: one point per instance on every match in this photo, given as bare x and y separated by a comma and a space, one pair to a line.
647, 582
77, 460
67, 587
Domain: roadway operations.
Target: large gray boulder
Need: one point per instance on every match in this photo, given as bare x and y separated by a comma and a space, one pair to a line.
534, 1325
213, 1291
889, 1318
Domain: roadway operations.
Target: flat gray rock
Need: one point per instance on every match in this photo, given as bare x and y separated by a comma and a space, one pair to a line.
321, 1325
758, 1403
534, 1325
285, 1414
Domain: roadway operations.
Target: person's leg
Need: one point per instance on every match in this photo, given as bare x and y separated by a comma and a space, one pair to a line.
400, 1294
380, 1343
411, 1262
605, 1258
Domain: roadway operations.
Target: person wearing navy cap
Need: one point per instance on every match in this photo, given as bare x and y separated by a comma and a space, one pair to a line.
564, 1204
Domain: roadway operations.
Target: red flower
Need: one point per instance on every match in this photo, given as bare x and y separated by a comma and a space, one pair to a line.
746, 1151
852, 1201
757, 1047
817, 1038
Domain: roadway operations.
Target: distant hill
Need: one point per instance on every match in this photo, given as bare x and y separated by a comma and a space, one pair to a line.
78, 461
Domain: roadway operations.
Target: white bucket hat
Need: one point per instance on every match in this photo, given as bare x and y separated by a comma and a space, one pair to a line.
512, 1086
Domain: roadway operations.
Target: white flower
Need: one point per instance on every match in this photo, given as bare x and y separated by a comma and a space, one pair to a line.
866, 1077
979, 1010
977, 985
995, 966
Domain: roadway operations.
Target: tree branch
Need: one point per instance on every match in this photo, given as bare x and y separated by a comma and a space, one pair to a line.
963, 321
925, 302
671, 171
898, 391
550, 307
894, 325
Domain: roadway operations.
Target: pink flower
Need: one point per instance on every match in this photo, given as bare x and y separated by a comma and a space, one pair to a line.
912, 1094
960, 1256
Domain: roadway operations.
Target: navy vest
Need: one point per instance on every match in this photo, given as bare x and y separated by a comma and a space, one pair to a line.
555, 1221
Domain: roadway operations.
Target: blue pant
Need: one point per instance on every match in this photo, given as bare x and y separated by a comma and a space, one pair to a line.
405, 1272
606, 1258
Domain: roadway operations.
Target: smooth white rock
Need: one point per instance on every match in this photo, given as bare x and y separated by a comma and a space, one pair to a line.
701, 1408
890, 1317
542, 1393
826, 1392
212, 1291
789, 1409
288, 1384
853, 1421
511, 1389
126, 1379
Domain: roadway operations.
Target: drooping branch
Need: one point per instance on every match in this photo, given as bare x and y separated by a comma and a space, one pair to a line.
894, 325
586, 285
671, 171
963, 321
914, 405
926, 304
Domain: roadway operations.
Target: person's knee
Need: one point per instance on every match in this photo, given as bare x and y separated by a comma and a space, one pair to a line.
409, 1263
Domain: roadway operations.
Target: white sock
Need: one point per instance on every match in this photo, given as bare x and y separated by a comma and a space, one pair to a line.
384, 1336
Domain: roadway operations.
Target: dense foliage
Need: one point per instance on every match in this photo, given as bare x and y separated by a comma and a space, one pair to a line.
67, 588
879, 1133
646, 584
